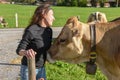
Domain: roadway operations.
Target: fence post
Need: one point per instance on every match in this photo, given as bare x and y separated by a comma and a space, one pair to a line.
31, 69
117, 3
16, 19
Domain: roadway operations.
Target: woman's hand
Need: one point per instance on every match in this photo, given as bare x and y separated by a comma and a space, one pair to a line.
30, 53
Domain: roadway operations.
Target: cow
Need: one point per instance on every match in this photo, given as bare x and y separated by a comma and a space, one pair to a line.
98, 17
73, 45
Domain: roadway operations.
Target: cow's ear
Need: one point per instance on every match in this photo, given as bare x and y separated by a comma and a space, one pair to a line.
75, 22
72, 20
78, 17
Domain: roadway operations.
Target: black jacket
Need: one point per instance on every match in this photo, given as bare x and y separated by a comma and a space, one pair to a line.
39, 39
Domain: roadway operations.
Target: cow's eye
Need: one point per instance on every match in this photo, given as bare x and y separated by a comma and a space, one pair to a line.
62, 40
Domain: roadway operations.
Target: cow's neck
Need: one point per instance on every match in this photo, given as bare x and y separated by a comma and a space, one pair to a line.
105, 57
102, 30
105, 47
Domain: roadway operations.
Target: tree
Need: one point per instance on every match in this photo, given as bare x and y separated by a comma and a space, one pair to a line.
74, 2
67, 2
28, 1
82, 3
93, 3
60, 2
32, 1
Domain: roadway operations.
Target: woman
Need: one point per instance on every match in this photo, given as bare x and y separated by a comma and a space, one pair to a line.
36, 41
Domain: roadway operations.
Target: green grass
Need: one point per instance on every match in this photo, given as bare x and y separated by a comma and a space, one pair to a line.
8, 11
61, 13
65, 71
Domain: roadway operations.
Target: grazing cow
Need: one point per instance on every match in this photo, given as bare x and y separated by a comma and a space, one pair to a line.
98, 17
73, 45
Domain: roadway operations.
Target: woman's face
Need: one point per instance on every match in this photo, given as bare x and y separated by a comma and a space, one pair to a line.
49, 18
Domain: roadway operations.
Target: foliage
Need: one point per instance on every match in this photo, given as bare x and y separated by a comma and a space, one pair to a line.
60, 2
25, 1
71, 2
74, 3
66, 3
82, 3
105, 0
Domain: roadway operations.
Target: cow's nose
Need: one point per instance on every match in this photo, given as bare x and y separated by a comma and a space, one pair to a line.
51, 52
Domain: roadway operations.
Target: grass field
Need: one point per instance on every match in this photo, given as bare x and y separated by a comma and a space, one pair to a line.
59, 70
25, 12
65, 71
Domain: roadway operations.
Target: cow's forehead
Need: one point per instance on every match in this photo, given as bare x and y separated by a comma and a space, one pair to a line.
72, 19
73, 25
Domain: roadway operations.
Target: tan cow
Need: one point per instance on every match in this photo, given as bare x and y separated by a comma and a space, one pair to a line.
98, 17
74, 43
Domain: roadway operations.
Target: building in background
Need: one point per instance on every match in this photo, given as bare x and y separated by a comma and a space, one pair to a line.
80, 3
103, 3
4, 2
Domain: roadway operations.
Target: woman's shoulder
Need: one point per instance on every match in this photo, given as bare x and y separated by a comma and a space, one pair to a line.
33, 27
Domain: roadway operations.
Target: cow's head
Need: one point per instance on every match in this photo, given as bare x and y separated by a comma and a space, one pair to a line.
72, 44
97, 17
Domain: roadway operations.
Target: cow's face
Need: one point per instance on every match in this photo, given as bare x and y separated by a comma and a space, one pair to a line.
68, 45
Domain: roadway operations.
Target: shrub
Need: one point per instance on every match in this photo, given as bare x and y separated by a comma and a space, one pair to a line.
74, 2
60, 2
82, 3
